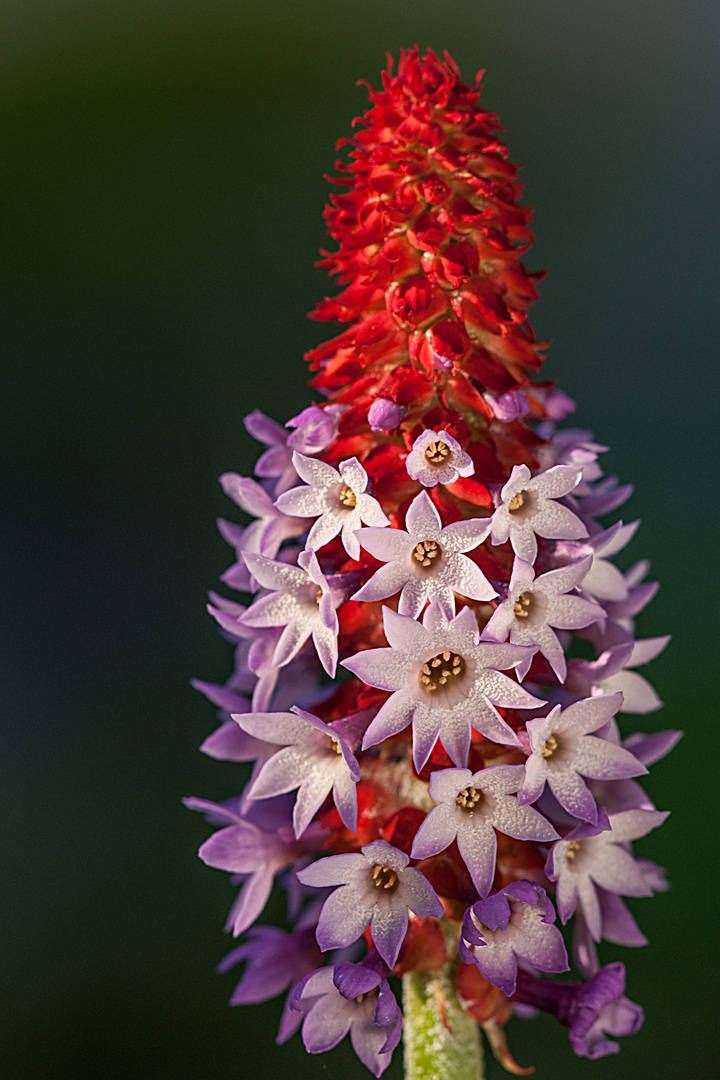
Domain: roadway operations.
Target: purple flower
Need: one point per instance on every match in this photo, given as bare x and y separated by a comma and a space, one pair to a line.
590, 1010
508, 407
377, 888
470, 808
385, 415
302, 601
603, 580
427, 561
316, 428
535, 605
261, 537
275, 961
598, 855
337, 499
563, 750
513, 924
245, 848
528, 507
354, 998
611, 673
436, 458
444, 681
317, 758
276, 462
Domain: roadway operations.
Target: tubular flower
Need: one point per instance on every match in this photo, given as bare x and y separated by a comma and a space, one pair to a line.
411, 808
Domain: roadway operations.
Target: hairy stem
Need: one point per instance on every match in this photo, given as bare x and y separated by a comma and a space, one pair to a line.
441, 1041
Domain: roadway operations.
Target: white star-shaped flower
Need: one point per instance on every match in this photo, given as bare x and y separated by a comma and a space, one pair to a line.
437, 458
445, 681
528, 507
534, 605
302, 601
426, 562
470, 808
338, 500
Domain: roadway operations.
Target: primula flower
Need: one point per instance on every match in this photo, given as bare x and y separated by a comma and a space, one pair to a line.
426, 562
563, 750
338, 496
430, 473
535, 605
437, 458
513, 924
528, 507
302, 601
471, 807
598, 855
377, 888
317, 759
354, 998
445, 682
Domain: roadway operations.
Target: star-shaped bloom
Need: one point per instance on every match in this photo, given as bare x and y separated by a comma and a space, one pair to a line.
337, 499
317, 758
426, 562
528, 508
598, 855
302, 601
377, 888
244, 848
535, 605
603, 580
513, 924
470, 808
611, 673
354, 998
444, 681
276, 462
261, 537
563, 750
437, 458
275, 961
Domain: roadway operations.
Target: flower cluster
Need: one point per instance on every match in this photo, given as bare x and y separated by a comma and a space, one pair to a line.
435, 768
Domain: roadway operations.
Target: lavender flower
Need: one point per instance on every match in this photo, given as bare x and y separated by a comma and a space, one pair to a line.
263, 536
437, 458
354, 998
470, 808
445, 681
337, 499
535, 605
590, 1010
611, 672
597, 855
315, 428
317, 759
302, 601
528, 507
385, 415
378, 887
426, 562
513, 924
563, 750
276, 462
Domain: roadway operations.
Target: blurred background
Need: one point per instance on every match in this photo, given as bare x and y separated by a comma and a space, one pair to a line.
161, 189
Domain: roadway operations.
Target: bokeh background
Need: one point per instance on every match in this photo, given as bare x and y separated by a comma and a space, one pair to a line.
161, 188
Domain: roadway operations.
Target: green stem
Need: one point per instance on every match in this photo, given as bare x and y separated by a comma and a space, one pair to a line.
441, 1041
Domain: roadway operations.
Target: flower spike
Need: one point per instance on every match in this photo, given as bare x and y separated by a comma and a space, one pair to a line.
426, 527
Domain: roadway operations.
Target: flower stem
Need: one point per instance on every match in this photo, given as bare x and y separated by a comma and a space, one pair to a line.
441, 1041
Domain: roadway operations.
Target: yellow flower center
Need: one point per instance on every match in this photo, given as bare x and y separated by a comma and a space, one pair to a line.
441, 670
516, 502
333, 745
551, 745
468, 798
384, 877
348, 498
425, 552
436, 452
521, 606
572, 850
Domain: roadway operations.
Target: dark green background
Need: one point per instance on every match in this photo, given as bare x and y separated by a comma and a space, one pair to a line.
160, 198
